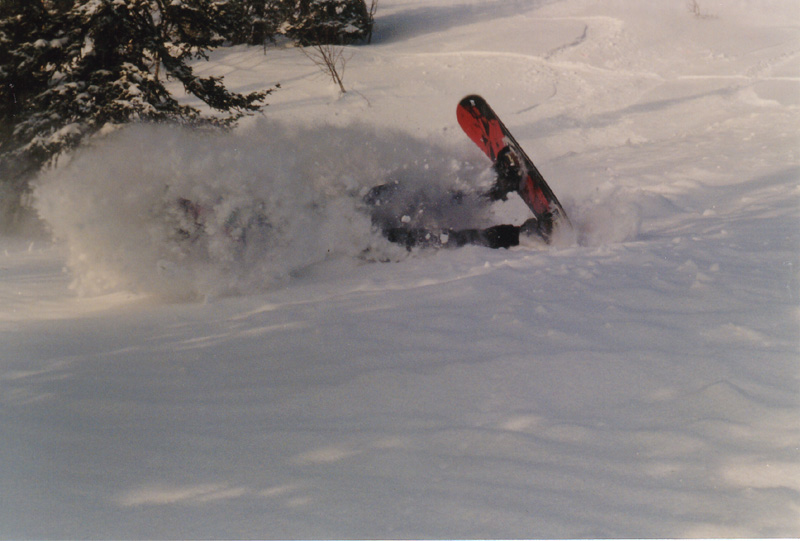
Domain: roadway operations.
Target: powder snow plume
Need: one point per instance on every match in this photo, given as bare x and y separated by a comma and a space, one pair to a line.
180, 213
270, 200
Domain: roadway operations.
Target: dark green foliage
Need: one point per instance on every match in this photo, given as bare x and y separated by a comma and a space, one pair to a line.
69, 68
308, 22
322, 22
254, 22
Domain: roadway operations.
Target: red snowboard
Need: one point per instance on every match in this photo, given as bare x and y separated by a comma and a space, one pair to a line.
515, 169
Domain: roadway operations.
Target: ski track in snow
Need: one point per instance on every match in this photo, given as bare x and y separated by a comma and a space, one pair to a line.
637, 379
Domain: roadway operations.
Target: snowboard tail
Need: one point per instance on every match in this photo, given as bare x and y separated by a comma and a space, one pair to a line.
514, 168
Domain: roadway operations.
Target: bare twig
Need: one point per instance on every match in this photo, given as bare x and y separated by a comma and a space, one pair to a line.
694, 8
373, 7
330, 60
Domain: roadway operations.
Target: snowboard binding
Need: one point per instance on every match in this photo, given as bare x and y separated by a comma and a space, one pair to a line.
509, 175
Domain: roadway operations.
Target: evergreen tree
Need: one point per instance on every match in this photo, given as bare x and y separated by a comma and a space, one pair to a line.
253, 22
321, 22
69, 68
309, 22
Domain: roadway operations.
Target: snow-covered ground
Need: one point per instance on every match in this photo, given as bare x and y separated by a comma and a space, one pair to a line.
642, 379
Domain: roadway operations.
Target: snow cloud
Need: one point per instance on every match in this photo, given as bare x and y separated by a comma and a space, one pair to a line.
167, 210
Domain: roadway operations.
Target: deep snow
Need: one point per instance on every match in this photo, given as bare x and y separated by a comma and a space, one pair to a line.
638, 380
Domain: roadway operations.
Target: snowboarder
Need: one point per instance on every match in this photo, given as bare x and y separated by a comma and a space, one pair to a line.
391, 206
515, 173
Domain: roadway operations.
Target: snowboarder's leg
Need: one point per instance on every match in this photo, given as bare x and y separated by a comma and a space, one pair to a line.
497, 236
390, 224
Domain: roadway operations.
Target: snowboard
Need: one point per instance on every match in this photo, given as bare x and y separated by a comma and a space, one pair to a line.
515, 170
